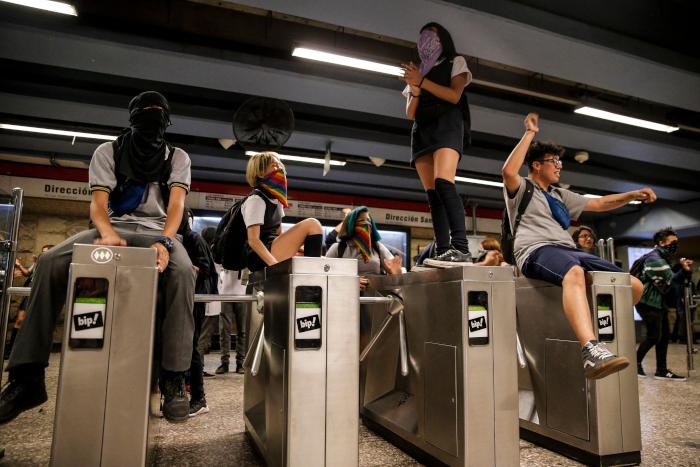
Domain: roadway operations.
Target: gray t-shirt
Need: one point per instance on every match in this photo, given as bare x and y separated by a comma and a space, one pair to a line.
538, 227
351, 251
152, 211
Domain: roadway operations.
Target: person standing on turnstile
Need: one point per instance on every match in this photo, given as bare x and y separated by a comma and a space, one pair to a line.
540, 214
138, 183
657, 277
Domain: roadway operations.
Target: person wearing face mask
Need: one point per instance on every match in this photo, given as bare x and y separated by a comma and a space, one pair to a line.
543, 248
359, 238
263, 211
658, 278
436, 103
138, 186
585, 239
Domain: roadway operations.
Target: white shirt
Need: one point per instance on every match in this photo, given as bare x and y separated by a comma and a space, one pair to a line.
253, 210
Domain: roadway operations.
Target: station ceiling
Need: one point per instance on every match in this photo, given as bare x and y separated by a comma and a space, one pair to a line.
207, 57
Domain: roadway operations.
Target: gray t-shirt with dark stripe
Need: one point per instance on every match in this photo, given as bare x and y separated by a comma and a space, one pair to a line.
152, 211
538, 227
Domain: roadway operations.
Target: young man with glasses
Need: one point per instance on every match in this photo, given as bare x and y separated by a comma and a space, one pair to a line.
543, 247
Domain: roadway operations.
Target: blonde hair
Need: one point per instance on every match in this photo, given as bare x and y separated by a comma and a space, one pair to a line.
259, 164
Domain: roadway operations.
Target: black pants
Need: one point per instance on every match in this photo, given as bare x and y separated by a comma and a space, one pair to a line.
656, 321
197, 365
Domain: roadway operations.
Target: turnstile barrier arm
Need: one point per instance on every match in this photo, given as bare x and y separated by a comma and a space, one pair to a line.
395, 305
521, 355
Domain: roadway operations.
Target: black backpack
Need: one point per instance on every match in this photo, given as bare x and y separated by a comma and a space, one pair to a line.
637, 268
231, 236
508, 237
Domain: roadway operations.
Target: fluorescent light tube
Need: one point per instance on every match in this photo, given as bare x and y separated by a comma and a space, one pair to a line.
591, 112
476, 181
343, 60
50, 131
56, 7
310, 160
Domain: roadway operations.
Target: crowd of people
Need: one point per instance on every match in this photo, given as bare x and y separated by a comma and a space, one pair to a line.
139, 184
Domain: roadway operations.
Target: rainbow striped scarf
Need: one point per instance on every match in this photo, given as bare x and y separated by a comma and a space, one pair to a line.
275, 185
362, 239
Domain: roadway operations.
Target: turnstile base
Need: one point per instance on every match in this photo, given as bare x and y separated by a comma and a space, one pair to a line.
401, 443
580, 455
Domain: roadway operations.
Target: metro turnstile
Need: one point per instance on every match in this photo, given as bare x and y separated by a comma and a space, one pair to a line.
593, 421
438, 373
102, 406
300, 384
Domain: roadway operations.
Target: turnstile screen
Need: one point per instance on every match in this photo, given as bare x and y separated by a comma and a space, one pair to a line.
604, 309
88, 313
478, 316
308, 300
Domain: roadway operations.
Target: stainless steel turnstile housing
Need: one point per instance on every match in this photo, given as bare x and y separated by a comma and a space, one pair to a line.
301, 385
447, 393
102, 406
593, 421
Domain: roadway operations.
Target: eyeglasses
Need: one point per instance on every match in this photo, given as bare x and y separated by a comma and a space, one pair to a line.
555, 161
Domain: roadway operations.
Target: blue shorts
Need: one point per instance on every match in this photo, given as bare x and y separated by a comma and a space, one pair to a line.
550, 263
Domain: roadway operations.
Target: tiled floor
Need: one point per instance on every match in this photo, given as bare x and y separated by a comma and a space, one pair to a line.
670, 414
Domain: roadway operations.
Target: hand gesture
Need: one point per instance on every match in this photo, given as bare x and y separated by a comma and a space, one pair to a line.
411, 74
110, 239
645, 195
163, 257
393, 265
364, 282
532, 122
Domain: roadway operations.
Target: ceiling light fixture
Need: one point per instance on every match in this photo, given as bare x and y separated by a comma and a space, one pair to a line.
343, 60
310, 160
477, 181
605, 115
51, 131
56, 7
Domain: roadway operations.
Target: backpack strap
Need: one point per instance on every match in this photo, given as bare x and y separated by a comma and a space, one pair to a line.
527, 197
342, 245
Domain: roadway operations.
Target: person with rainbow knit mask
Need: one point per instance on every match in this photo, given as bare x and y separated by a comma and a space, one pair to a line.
359, 238
262, 214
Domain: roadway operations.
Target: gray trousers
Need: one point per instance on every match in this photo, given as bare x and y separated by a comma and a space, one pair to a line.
50, 285
229, 312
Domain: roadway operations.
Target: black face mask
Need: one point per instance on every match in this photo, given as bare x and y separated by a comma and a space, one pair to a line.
141, 147
149, 125
671, 248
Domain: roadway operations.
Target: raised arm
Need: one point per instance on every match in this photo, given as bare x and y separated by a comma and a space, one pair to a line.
509, 172
610, 202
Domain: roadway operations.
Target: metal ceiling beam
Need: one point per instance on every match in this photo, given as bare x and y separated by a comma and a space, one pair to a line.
505, 41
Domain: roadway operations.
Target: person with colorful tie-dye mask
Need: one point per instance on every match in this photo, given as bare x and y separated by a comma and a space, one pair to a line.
359, 239
437, 104
263, 211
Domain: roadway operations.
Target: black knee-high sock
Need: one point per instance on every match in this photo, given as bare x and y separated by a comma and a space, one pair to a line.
455, 213
441, 226
312, 245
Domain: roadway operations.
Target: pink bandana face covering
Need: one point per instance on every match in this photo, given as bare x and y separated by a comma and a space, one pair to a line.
429, 50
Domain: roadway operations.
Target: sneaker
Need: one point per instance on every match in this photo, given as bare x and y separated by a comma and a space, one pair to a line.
450, 258
599, 362
668, 375
239, 368
176, 407
223, 368
206, 374
19, 396
640, 372
198, 407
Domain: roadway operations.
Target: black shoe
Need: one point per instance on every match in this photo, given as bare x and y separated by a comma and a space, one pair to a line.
176, 407
223, 368
450, 258
668, 375
206, 374
239, 368
198, 407
599, 362
19, 396
640, 371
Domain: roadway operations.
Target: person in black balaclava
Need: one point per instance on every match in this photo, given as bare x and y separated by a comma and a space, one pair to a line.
138, 185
